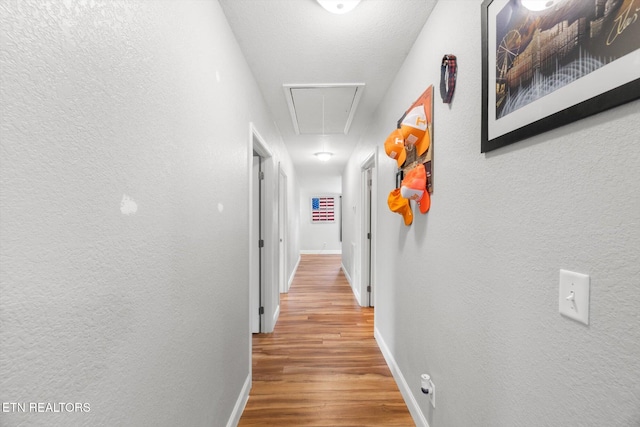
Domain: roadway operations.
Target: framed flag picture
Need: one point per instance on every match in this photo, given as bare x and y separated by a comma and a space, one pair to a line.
322, 209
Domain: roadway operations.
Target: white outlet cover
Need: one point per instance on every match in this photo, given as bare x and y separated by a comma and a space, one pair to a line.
573, 300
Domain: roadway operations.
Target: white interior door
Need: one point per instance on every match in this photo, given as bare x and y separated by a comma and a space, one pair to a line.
255, 290
263, 244
282, 231
367, 254
368, 236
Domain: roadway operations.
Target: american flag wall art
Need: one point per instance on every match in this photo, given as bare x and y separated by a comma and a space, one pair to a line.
322, 209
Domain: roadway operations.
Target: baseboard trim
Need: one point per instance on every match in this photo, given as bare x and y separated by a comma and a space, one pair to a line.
321, 252
241, 402
355, 291
275, 317
346, 274
293, 273
405, 390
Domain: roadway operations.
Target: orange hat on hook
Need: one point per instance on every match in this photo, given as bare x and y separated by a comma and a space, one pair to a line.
414, 128
414, 187
394, 147
399, 204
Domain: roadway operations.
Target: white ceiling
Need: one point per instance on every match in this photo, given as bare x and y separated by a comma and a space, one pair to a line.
296, 42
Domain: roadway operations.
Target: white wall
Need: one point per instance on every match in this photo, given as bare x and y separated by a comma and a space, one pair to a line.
469, 292
319, 237
124, 211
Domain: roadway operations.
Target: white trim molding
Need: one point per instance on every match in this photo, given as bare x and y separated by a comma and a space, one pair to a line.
354, 289
241, 402
293, 273
405, 390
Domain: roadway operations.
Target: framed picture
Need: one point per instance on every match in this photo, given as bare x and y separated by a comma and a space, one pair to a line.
546, 63
322, 209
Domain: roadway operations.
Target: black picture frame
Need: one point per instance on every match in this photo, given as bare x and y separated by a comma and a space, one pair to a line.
591, 104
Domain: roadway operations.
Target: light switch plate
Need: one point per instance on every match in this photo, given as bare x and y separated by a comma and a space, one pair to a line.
573, 300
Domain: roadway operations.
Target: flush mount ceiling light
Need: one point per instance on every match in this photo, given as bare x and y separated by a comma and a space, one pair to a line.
539, 5
323, 156
339, 6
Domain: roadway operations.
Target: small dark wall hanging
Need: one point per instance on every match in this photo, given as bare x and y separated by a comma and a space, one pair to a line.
448, 75
542, 69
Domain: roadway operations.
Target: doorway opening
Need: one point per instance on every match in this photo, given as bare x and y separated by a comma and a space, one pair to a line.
283, 220
257, 245
368, 221
264, 295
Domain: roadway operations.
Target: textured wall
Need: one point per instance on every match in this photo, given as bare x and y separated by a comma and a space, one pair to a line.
123, 221
469, 293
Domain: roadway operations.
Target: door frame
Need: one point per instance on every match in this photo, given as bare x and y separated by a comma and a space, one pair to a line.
270, 295
283, 236
368, 221
256, 228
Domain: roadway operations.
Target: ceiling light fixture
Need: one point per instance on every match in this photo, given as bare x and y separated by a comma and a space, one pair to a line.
339, 6
539, 5
323, 156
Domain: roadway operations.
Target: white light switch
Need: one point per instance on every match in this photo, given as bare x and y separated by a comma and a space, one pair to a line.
573, 301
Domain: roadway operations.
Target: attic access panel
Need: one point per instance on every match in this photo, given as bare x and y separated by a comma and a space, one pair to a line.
323, 108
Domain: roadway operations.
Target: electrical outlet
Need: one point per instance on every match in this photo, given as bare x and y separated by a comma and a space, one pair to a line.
428, 388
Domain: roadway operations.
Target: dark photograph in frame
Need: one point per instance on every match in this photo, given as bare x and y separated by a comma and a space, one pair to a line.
546, 63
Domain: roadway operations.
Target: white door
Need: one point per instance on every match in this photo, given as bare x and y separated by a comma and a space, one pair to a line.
367, 229
367, 254
263, 254
282, 231
255, 292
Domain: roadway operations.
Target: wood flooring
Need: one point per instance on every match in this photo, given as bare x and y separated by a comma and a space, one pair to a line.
321, 366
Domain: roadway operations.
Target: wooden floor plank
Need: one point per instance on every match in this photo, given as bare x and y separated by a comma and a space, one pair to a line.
321, 366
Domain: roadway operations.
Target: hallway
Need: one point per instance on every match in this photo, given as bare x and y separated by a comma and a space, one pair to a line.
321, 366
